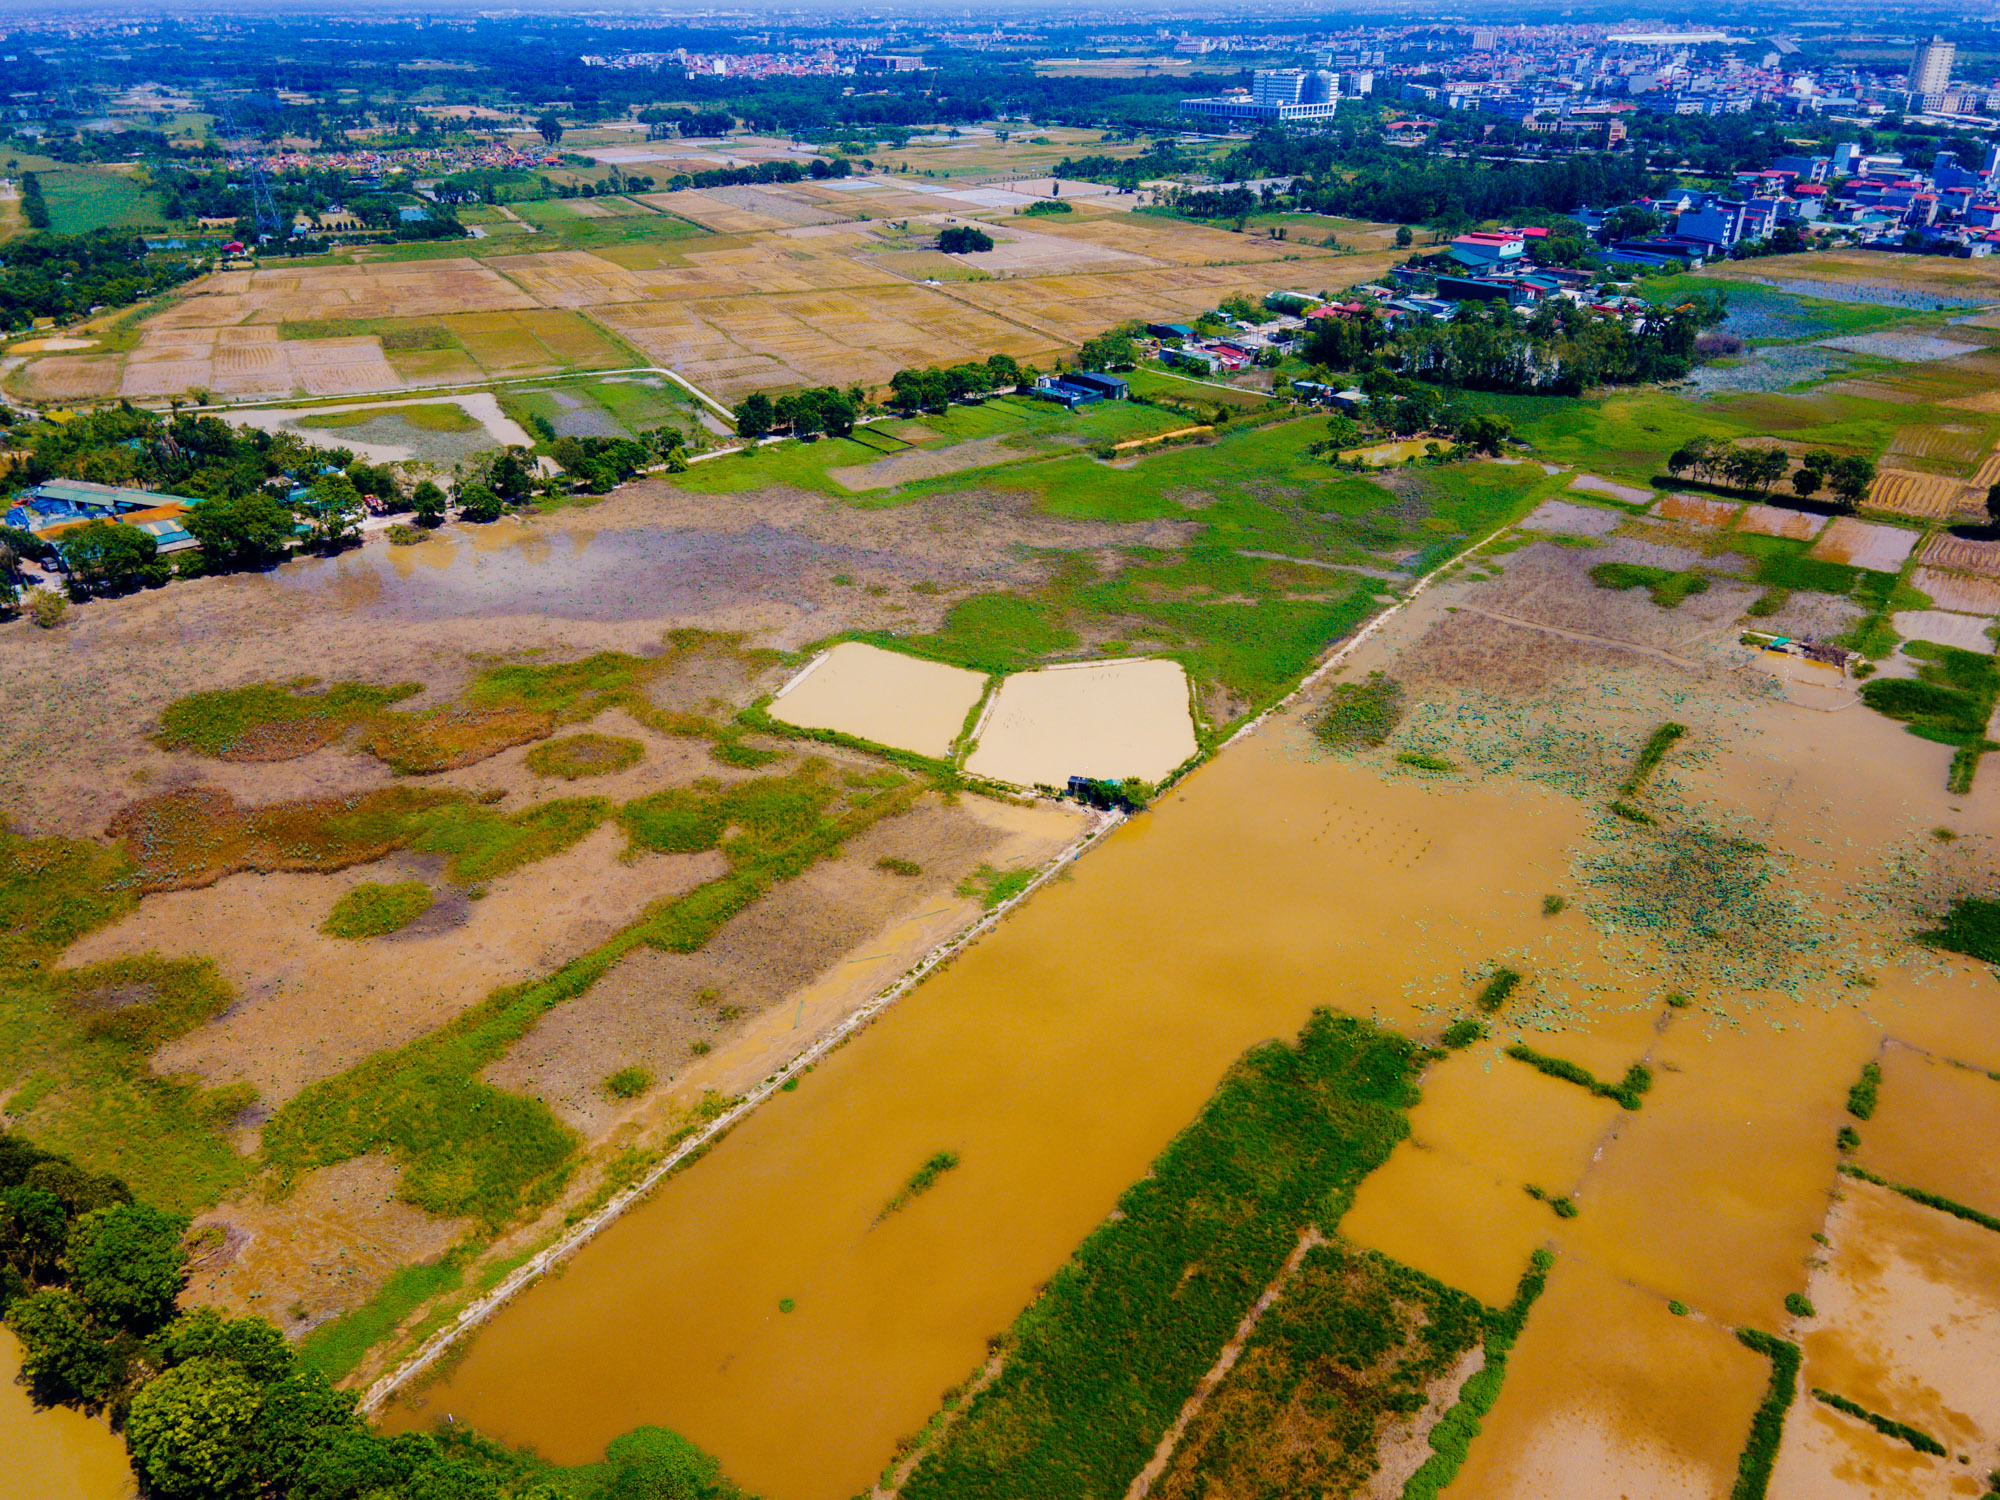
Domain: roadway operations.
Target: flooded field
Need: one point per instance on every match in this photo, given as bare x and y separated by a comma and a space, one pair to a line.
1750, 955
55, 1452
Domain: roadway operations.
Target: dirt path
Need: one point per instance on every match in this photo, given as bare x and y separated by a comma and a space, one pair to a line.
1225, 1362
1586, 638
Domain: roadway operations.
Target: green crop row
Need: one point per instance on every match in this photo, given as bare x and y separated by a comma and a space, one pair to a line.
1103, 1361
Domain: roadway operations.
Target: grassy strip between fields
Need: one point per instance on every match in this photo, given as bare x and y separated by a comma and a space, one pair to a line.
1916, 1437
1451, 1439
1101, 1364
1638, 1078
1767, 1427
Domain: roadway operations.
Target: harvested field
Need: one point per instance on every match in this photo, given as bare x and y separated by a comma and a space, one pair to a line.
1631, 494
1963, 555
1909, 493
311, 1005
1863, 544
1108, 721
1699, 512
322, 1252
1771, 520
1962, 593
883, 696
798, 961
1967, 632
1562, 517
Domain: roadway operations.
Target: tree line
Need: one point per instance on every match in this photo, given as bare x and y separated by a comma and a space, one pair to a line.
1760, 470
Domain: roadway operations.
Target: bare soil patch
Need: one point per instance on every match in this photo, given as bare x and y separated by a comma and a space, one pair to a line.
322, 1251
310, 1005
1864, 544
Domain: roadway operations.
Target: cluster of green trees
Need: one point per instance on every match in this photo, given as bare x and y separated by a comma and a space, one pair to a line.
660, 123
216, 1408
963, 239
34, 207
63, 276
763, 172
804, 414
180, 452
598, 463
1561, 349
1760, 470
1114, 349
936, 388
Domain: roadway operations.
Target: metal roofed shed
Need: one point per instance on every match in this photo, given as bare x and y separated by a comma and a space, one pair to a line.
64, 502
1110, 387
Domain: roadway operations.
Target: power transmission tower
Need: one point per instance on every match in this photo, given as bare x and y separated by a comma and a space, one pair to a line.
246, 158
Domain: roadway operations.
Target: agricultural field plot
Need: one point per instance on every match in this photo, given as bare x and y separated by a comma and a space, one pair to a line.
1963, 631
1108, 721
884, 697
1903, 1309
1965, 593
81, 200
1865, 544
741, 209
1962, 555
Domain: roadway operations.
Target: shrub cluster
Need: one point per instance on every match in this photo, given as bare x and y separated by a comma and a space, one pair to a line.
1918, 1439
1360, 714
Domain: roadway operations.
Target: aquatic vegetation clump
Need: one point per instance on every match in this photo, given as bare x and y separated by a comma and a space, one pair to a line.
1359, 715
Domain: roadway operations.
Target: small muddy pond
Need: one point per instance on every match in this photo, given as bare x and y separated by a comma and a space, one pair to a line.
1384, 454
563, 569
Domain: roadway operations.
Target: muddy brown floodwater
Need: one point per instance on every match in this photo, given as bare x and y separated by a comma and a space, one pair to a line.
55, 1454
761, 1304
1056, 1059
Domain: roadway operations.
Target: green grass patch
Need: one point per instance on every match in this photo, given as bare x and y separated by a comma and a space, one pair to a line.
628, 1083
440, 416
1462, 1034
579, 755
920, 1182
1107, 1355
83, 199
76, 1044
1424, 762
1950, 700
1767, 1428
991, 887
483, 845
375, 910
1971, 927
269, 721
1627, 1092
335, 1348
1667, 588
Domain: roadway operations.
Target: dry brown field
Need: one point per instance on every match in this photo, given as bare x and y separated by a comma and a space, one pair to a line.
809, 284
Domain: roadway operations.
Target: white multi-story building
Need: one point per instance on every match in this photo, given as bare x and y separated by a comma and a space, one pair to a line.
1277, 96
1932, 69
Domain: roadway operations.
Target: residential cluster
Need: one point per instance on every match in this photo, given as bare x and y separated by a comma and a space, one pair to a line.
1554, 74
1947, 208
